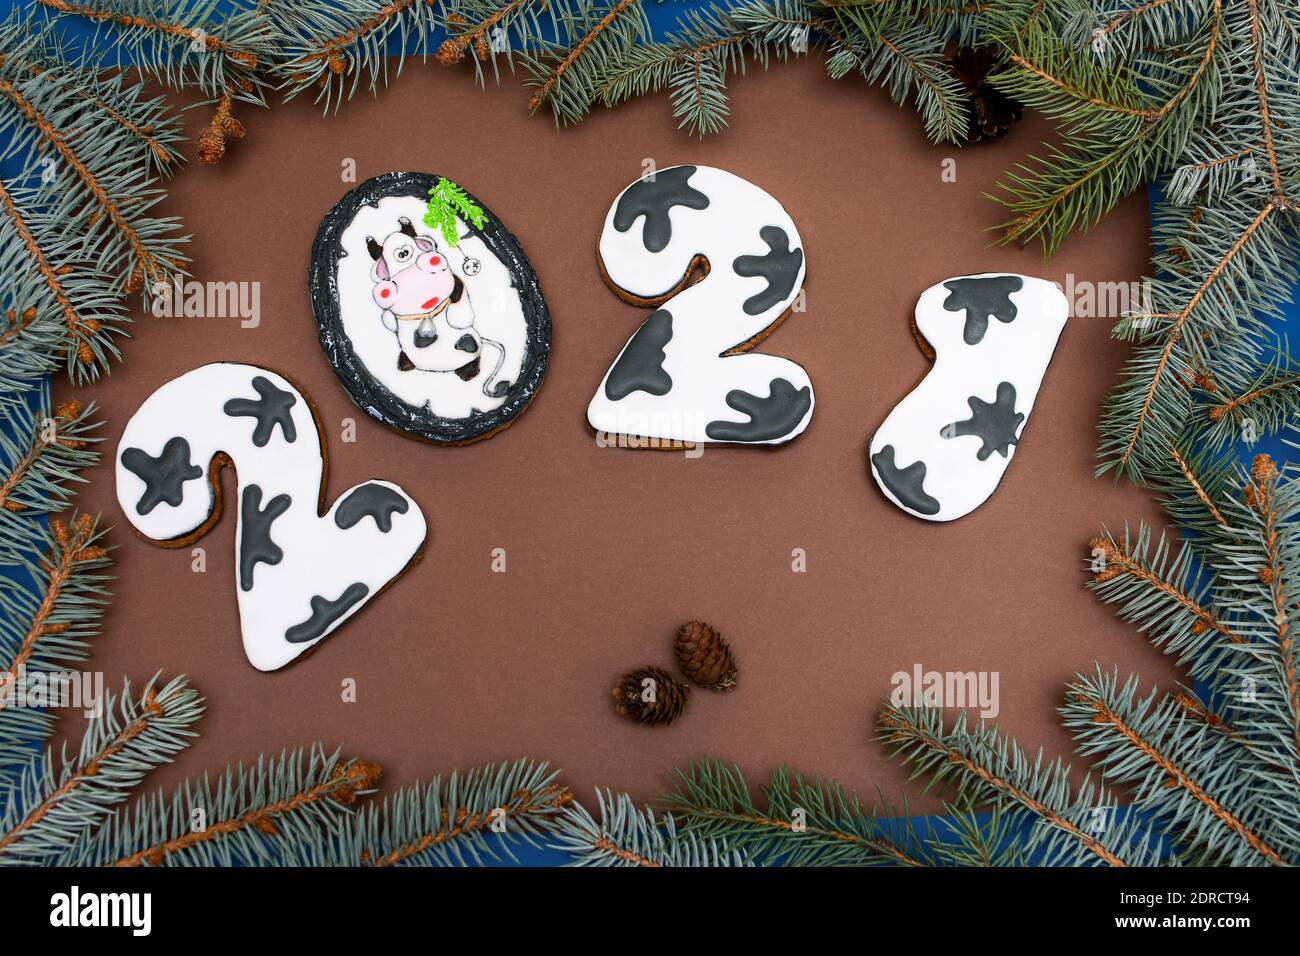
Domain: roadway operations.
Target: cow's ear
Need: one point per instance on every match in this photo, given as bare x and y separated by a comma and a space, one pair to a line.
381, 269
405, 227
374, 248
424, 244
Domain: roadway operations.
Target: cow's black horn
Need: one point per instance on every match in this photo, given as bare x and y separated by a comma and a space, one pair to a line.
375, 249
404, 225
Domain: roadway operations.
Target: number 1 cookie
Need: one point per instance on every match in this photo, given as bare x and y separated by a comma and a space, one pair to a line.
943, 449
687, 375
299, 574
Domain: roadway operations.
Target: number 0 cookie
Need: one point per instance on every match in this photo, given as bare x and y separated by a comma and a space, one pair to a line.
943, 449
428, 309
687, 375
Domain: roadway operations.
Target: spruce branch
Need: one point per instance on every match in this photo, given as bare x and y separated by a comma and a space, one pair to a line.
135, 247
1157, 588
466, 819
184, 44
45, 452
148, 123
1280, 551
335, 48
800, 821
566, 73
51, 308
48, 811
907, 59
187, 44
246, 818
1141, 416
630, 837
1265, 114
1196, 485
492, 31
51, 601
1062, 826
55, 620
1184, 773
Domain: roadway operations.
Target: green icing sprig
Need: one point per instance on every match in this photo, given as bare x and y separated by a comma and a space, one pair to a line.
446, 202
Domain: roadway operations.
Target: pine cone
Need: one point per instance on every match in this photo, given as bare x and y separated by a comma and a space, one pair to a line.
989, 112
704, 657
668, 696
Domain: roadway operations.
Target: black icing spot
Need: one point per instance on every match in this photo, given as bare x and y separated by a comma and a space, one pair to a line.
468, 370
994, 423
653, 199
905, 484
457, 288
466, 343
255, 542
163, 476
641, 366
769, 418
376, 500
422, 340
779, 266
271, 408
982, 297
325, 613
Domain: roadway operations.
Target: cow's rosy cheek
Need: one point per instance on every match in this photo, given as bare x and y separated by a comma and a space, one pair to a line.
432, 263
385, 293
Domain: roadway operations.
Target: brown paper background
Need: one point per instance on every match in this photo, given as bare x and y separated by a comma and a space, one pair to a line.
609, 550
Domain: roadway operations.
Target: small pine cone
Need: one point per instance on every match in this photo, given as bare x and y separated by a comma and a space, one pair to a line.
450, 52
990, 112
667, 696
704, 657
212, 146
1262, 468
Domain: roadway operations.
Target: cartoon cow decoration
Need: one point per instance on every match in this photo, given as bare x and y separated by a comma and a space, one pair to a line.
426, 306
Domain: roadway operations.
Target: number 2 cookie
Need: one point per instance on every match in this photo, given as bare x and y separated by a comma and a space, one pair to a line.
428, 309
687, 374
943, 449
299, 574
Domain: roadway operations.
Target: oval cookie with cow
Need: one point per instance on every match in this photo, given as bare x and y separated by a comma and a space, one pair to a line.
428, 309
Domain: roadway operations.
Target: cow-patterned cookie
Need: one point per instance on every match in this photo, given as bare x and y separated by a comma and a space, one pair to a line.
943, 449
687, 374
442, 332
298, 574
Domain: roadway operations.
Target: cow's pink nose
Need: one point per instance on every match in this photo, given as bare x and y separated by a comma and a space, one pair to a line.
384, 293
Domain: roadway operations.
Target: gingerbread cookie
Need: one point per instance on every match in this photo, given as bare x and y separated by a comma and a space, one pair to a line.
428, 309
687, 374
943, 449
298, 574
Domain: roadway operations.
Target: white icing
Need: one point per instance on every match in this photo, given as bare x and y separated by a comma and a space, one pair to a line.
490, 309
707, 317
319, 558
1016, 352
